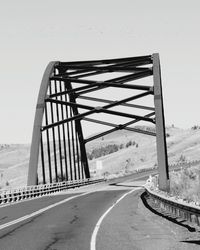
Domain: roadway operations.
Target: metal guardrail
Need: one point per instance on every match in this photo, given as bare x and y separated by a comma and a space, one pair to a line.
176, 208
8, 196
184, 164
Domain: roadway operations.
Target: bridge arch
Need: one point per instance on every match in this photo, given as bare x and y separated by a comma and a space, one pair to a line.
58, 150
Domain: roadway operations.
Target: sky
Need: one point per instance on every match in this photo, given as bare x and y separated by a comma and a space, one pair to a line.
33, 33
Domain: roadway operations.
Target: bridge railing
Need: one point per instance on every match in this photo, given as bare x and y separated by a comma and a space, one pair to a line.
184, 164
176, 208
8, 196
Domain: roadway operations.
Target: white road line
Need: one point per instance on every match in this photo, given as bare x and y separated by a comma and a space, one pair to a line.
41, 211
96, 229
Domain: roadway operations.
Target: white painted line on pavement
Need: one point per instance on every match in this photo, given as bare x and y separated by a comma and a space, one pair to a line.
41, 210
96, 229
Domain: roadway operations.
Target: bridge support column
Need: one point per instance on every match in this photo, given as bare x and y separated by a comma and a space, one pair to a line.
160, 127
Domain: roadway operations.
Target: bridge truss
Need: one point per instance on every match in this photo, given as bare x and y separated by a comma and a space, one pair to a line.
103, 92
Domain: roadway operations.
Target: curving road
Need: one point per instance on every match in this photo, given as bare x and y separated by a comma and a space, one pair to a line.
106, 216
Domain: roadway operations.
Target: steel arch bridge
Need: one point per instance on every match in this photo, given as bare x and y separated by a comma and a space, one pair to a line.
58, 149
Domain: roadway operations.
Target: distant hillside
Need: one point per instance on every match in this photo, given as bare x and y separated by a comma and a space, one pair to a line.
13, 164
119, 153
183, 145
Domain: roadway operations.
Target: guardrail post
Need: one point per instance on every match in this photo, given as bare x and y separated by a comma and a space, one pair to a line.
163, 180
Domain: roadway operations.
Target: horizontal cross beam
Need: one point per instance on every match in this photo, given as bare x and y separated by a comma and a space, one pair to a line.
110, 83
147, 58
110, 105
108, 68
118, 127
90, 71
108, 101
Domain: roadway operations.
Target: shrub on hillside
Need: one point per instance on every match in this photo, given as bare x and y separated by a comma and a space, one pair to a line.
195, 127
106, 174
182, 158
4, 146
98, 152
108, 149
185, 184
130, 143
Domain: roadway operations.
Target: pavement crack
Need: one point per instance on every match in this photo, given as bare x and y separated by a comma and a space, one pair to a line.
3, 218
54, 241
135, 228
74, 219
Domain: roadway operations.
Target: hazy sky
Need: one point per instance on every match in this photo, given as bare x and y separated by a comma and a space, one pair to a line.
36, 32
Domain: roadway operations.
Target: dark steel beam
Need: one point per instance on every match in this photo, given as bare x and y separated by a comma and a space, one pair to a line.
79, 133
97, 110
48, 144
111, 83
121, 126
93, 87
115, 129
128, 99
116, 68
91, 84
73, 143
54, 136
64, 135
90, 71
112, 104
86, 74
72, 104
141, 118
118, 127
109, 101
77, 117
106, 84
119, 81
59, 134
68, 138
42, 160
88, 66
72, 91
105, 61
102, 69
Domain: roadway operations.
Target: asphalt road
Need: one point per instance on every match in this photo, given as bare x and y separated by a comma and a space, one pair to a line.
95, 218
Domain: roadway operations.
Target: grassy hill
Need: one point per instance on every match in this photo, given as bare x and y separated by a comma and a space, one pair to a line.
183, 145
13, 165
119, 153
